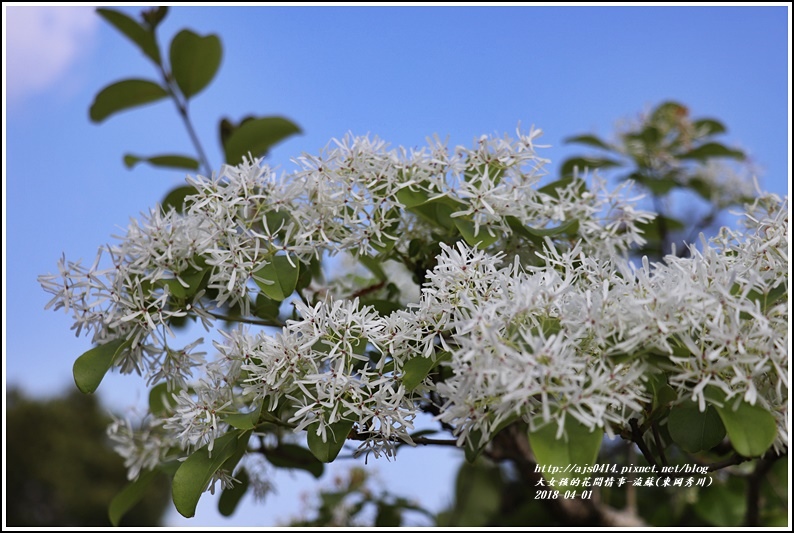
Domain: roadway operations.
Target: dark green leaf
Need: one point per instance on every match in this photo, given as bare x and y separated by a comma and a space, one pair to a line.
438, 211
135, 32
336, 434
176, 198
589, 140
383, 307
281, 273
751, 428
266, 308
124, 95
194, 61
129, 496
483, 239
652, 230
585, 164
411, 198
709, 150
570, 227
415, 370
707, 126
244, 420
657, 186
91, 367
695, 431
374, 266
230, 498
154, 16
388, 516
195, 473
722, 504
577, 446
294, 456
168, 161
478, 488
257, 136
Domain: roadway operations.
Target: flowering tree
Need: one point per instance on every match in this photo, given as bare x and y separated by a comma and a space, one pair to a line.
507, 307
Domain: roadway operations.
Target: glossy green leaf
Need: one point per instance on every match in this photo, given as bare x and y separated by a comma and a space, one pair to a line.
438, 211
336, 434
483, 239
578, 446
278, 278
709, 150
589, 140
195, 473
123, 95
257, 136
695, 431
411, 198
230, 498
167, 161
415, 370
194, 61
130, 495
244, 420
751, 428
90, 368
144, 38
176, 198
586, 164
266, 308
294, 456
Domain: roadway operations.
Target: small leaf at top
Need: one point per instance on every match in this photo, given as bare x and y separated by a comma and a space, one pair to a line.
124, 95
135, 32
194, 61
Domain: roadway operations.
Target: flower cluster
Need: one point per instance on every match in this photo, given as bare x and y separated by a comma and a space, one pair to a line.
530, 306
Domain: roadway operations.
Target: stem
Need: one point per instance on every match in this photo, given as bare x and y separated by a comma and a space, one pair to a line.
636, 437
181, 108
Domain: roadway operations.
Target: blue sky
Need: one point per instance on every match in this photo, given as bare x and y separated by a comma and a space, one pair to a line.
401, 73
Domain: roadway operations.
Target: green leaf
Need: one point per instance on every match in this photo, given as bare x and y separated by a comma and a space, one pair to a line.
336, 434
438, 211
570, 227
135, 32
129, 496
160, 397
589, 140
90, 368
266, 308
586, 164
195, 473
257, 136
388, 516
374, 266
124, 95
294, 456
657, 186
383, 307
194, 61
411, 198
707, 126
751, 428
416, 369
553, 189
578, 446
478, 489
722, 504
709, 150
695, 431
281, 273
482, 240
244, 420
230, 498
167, 161
176, 198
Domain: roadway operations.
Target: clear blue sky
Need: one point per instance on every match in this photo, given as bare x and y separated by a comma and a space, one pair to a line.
401, 73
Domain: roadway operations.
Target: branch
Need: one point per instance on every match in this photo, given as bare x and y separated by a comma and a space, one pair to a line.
253, 321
